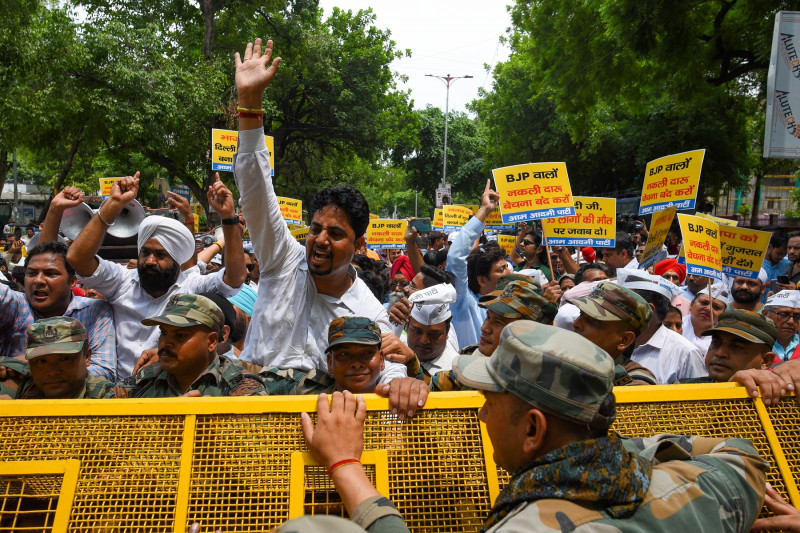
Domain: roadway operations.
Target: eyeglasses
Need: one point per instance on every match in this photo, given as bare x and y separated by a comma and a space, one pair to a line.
250, 267
528, 243
784, 316
399, 285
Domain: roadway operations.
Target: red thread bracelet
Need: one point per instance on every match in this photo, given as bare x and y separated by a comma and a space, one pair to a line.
343, 462
249, 115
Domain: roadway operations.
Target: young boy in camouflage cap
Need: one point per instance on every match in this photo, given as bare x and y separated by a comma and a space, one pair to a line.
354, 362
612, 317
187, 349
58, 357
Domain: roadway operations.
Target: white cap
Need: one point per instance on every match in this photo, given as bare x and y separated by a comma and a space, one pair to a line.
536, 274
719, 291
217, 260
452, 236
444, 293
632, 278
762, 276
788, 298
432, 314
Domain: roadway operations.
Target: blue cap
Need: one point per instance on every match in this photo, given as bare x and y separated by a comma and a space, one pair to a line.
245, 299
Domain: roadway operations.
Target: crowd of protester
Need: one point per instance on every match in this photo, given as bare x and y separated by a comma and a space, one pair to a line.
545, 332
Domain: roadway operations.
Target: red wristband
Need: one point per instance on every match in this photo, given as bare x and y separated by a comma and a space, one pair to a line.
249, 115
343, 462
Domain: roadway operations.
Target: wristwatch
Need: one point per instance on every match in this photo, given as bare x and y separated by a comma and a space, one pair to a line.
230, 221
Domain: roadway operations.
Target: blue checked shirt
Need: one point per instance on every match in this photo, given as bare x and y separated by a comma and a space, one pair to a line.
16, 315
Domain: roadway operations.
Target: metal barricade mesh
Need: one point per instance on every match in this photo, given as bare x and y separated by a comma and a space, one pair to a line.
28, 503
129, 466
241, 470
785, 419
159, 465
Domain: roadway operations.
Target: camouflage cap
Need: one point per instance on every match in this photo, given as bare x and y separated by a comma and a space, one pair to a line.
522, 299
551, 368
753, 327
608, 302
58, 334
352, 329
187, 310
504, 280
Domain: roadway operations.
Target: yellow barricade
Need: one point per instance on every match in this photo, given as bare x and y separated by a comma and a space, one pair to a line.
240, 464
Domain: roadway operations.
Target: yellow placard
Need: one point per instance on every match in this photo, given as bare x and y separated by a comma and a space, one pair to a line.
533, 191
719, 220
106, 184
659, 229
224, 145
438, 219
372, 216
300, 234
671, 180
495, 221
384, 233
701, 240
454, 217
474, 208
507, 243
743, 250
291, 210
593, 224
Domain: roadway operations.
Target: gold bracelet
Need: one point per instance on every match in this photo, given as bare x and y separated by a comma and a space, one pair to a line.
259, 111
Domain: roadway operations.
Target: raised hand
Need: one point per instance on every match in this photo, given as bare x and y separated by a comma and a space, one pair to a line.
181, 204
221, 198
125, 190
489, 201
70, 196
252, 73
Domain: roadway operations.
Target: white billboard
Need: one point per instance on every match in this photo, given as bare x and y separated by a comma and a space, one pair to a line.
782, 131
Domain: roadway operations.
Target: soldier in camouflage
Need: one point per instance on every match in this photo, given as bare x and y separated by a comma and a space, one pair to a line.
188, 361
517, 297
612, 317
570, 474
58, 356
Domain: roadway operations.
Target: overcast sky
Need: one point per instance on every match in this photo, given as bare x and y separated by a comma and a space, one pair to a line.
455, 37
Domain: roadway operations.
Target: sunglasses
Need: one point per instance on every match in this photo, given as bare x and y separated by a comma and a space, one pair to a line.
250, 267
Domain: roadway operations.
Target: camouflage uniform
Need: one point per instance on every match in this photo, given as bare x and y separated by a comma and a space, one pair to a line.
342, 330
607, 483
609, 302
48, 336
222, 377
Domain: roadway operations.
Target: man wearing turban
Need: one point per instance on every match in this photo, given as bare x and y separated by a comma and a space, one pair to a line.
164, 245
675, 272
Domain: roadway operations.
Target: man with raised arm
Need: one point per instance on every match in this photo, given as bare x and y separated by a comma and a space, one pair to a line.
164, 244
302, 289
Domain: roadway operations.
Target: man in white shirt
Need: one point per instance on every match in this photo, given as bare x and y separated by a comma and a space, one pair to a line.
164, 244
623, 255
427, 337
301, 289
665, 353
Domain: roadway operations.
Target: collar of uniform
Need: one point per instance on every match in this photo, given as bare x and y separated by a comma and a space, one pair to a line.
212, 370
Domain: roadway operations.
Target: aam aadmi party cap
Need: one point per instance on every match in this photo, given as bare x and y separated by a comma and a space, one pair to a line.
186, 310
609, 302
785, 298
352, 329
719, 291
553, 369
432, 314
750, 326
58, 334
633, 279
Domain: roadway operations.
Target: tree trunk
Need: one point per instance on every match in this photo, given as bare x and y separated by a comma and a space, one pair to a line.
65, 168
4, 166
209, 10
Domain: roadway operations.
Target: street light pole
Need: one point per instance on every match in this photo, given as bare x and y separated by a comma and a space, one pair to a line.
447, 80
